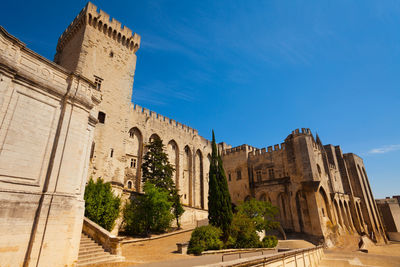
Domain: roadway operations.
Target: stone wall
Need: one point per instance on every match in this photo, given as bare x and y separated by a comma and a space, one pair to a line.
45, 138
389, 209
312, 185
101, 49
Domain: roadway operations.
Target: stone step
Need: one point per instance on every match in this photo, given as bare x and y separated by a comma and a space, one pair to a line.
84, 246
87, 241
93, 255
90, 249
99, 259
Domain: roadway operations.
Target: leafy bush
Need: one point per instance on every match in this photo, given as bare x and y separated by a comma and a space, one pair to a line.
150, 212
269, 241
243, 233
205, 238
101, 206
262, 213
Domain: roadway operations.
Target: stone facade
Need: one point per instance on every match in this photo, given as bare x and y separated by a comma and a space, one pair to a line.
49, 147
319, 191
389, 209
46, 133
97, 47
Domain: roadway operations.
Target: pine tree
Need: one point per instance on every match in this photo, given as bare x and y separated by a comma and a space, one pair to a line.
157, 170
219, 200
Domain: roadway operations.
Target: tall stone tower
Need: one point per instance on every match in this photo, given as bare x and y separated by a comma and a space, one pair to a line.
99, 49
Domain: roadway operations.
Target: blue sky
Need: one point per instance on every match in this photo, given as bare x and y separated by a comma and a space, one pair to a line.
256, 70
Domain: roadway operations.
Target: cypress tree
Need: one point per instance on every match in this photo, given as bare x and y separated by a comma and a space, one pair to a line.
219, 200
213, 188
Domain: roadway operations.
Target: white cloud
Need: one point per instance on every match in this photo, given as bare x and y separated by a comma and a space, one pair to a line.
384, 149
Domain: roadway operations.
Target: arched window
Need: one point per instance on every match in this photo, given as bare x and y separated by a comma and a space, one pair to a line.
129, 184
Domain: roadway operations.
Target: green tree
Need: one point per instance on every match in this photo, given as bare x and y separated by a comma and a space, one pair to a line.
101, 206
219, 201
251, 217
243, 233
150, 212
261, 213
177, 208
157, 170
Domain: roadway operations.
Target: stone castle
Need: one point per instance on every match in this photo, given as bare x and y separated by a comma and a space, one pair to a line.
71, 119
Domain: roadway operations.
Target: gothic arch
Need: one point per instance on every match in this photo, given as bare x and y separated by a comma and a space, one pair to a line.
344, 214
369, 203
283, 208
302, 211
324, 202
338, 213
134, 153
347, 208
187, 184
264, 197
154, 136
173, 157
198, 186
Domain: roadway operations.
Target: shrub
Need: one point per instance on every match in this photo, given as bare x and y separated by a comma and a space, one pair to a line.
101, 206
150, 212
269, 241
243, 233
205, 238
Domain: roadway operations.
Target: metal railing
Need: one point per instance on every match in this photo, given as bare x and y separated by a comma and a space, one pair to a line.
279, 257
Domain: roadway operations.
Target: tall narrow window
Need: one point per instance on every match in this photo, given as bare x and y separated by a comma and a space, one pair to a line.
97, 82
111, 153
101, 117
258, 175
229, 177
238, 175
133, 163
271, 173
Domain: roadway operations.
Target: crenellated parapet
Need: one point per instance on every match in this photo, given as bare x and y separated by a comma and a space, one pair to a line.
237, 150
267, 151
100, 20
141, 111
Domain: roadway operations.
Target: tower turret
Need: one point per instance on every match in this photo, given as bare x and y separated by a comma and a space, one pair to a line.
98, 48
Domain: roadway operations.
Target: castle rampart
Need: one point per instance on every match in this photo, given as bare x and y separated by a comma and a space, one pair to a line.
100, 20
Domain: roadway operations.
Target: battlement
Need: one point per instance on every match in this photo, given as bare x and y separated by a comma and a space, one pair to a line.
306, 131
100, 20
155, 116
239, 149
268, 150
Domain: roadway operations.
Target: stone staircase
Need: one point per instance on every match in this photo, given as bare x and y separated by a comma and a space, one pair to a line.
92, 253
